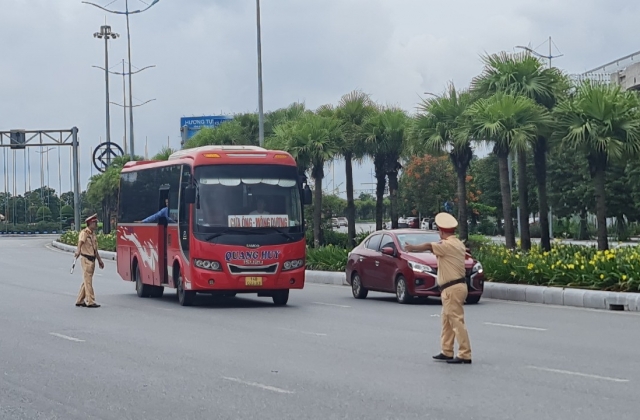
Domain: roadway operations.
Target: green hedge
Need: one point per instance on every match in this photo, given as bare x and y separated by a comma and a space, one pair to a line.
573, 266
40, 227
105, 242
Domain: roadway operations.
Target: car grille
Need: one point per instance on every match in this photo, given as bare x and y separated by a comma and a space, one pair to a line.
244, 269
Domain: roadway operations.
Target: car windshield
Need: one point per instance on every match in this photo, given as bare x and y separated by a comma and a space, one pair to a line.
249, 198
416, 238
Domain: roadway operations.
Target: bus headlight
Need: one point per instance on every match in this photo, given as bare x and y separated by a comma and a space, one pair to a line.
207, 265
292, 265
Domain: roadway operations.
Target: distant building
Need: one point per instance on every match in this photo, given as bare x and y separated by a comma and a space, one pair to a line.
624, 71
628, 78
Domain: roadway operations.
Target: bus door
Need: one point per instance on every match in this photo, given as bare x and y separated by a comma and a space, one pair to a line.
172, 249
163, 237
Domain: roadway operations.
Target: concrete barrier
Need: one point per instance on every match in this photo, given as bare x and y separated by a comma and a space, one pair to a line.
574, 297
592, 299
326, 277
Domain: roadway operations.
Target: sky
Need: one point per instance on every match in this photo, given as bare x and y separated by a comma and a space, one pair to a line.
314, 51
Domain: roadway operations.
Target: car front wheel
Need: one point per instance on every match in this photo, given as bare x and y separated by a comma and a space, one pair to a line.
402, 292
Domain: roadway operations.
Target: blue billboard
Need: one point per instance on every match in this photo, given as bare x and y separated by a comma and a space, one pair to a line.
189, 126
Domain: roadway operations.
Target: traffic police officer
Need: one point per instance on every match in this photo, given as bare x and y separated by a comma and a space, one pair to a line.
451, 254
88, 249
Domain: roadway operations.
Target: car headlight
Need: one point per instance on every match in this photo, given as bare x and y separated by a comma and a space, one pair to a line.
207, 265
477, 268
293, 264
420, 268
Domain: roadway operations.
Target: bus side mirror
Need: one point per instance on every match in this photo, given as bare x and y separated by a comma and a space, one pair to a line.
190, 195
308, 196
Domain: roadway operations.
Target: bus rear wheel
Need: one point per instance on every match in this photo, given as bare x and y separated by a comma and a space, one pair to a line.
185, 297
143, 290
281, 297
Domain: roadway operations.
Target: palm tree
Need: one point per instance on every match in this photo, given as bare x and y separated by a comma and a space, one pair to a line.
313, 140
509, 122
164, 153
437, 128
386, 132
523, 74
353, 110
604, 122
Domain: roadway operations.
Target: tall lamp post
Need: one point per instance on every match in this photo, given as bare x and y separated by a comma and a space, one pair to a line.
124, 97
260, 103
127, 12
105, 32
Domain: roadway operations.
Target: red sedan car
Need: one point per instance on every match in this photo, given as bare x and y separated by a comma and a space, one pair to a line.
380, 264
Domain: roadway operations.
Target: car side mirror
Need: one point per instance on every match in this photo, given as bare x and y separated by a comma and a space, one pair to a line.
308, 196
389, 251
190, 195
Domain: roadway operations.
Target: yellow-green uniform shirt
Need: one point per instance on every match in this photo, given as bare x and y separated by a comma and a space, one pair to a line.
451, 253
89, 242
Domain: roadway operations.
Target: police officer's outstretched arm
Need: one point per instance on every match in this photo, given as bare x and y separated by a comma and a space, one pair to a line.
418, 248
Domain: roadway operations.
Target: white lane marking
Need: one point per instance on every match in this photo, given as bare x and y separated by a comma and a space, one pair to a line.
257, 385
568, 308
584, 375
326, 285
303, 332
66, 337
331, 304
520, 327
435, 316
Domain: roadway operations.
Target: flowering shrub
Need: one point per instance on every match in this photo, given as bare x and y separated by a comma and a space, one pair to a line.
105, 242
565, 266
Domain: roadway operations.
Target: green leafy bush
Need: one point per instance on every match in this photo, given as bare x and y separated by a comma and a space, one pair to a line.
105, 242
565, 266
328, 258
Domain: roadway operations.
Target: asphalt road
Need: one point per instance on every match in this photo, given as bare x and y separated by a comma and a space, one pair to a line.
325, 356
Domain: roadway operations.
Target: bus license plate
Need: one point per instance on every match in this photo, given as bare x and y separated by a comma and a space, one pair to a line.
253, 281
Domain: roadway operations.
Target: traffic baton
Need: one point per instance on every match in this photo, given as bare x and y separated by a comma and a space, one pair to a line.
73, 266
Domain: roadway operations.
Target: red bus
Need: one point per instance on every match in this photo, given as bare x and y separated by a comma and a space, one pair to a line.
217, 220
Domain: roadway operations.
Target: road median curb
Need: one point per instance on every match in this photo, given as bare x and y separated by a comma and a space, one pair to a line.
107, 255
581, 298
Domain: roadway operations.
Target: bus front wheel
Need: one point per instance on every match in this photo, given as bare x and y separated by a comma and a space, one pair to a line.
281, 297
185, 297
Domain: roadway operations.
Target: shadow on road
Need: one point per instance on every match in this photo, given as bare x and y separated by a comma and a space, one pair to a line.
170, 298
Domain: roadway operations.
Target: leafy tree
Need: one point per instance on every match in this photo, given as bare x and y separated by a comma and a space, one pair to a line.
164, 153
427, 182
43, 214
437, 129
523, 74
386, 132
508, 122
603, 122
353, 110
312, 140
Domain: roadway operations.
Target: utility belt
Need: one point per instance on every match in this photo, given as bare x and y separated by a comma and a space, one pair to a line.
91, 258
452, 283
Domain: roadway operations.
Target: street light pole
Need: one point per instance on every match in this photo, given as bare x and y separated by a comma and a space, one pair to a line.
127, 13
260, 103
105, 32
131, 151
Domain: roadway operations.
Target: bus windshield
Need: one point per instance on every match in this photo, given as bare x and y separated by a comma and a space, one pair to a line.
247, 198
